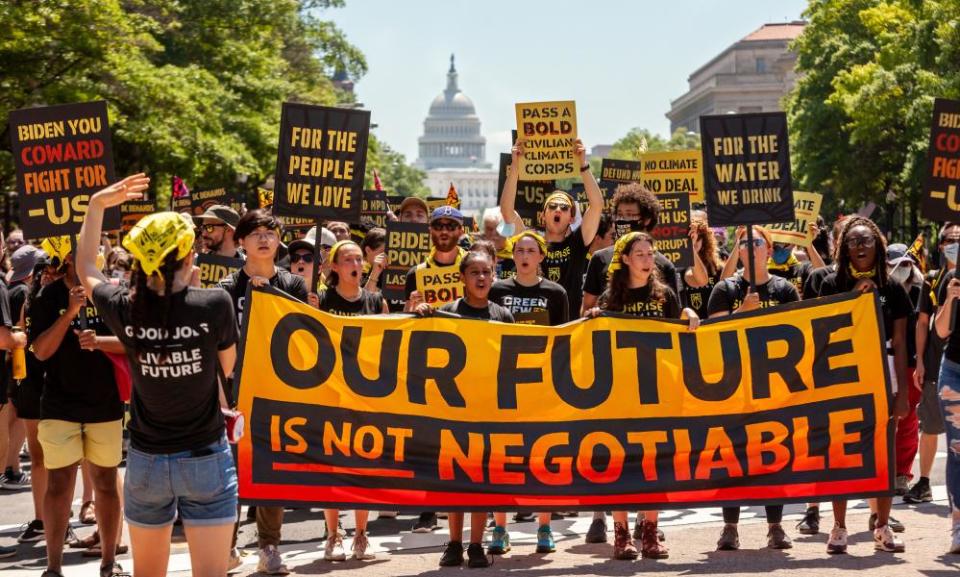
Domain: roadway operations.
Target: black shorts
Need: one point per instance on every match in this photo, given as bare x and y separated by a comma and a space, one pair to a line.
25, 396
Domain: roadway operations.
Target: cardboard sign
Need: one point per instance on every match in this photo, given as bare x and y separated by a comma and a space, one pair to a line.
408, 244
321, 162
672, 232
941, 201
201, 200
612, 170
439, 285
62, 154
746, 160
549, 130
214, 268
806, 207
375, 207
670, 172
133, 210
531, 194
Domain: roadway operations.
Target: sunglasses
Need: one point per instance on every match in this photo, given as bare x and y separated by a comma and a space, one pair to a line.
558, 206
447, 226
864, 241
211, 227
306, 257
757, 242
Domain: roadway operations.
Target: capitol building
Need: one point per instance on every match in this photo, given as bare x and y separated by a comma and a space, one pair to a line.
452, 149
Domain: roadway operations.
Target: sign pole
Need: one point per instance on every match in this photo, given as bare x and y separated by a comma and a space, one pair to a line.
753, 274
315, 277
75, 239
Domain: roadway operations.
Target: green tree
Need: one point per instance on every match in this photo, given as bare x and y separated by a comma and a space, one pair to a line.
641, 139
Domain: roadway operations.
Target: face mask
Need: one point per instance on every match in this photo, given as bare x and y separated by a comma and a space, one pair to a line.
950, 252
900, 274
623, 227
505, 229
782, 254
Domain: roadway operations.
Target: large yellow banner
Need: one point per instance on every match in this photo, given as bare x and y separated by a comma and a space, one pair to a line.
786, 404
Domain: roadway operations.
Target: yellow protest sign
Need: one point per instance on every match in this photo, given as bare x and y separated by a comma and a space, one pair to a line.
549, 130
669, 172
806, 209
439, 285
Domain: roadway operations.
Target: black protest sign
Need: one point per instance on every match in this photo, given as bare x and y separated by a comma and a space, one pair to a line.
133, 210
531, 194
374, 207
214, 268
408, 244
63, 154
265, 200
672, 232
940, 199
746, 163
612, 170
201, 200
394, 201
321, 161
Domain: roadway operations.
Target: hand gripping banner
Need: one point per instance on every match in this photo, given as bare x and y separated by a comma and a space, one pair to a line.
441, 414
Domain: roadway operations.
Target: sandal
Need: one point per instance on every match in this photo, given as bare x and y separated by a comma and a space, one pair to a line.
88, 513
113, 570
91, 540
97, 551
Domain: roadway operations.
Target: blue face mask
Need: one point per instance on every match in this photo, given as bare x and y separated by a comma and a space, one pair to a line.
950, 251
781, 254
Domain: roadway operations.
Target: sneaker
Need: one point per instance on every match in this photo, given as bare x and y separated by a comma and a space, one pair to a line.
810, 524
729, 538
475, 557
895, 526
6, 551
955, 541
333, 550
901, 484
598, 531
427, 523
32, 532
235, 560
650, 546
526, 517
623, 547
14, 482
545, 542
270, 562
452, 555
919, 493
884, 539
777, 538
499, 542
359, 548
838, 540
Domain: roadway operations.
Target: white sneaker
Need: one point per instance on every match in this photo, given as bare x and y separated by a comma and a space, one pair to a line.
270, 562
955, 544
360, 545
884, 539
838, 540
333, 550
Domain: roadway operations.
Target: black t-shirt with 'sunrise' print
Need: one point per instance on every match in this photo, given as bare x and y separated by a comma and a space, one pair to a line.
640, 303
564, 265
729, 293
175, 404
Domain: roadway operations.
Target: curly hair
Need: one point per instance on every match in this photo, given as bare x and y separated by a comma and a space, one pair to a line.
646, 201
708, 246
615, 297
842, 253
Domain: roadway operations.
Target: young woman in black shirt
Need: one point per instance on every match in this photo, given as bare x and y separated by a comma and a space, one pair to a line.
699, 280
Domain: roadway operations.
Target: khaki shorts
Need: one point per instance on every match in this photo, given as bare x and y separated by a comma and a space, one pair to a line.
65, 443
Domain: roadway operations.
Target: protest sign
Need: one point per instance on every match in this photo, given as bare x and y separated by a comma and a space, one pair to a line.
374, 207
321, 161
408, 244
201, 200
439, 285
672, 231
214, 268
940, 197
782, 405
549, 130
265, 199
612, 170
62, 154
394, 200
669, 172
132, 211
531, 194
746, 160
435, 202
806, 207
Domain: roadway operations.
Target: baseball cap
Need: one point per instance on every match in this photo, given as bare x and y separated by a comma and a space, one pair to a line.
309, 240
446, 212
22, 262
413, 201
223, 213
897, 253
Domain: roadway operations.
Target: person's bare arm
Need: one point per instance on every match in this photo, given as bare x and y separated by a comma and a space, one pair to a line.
508, 198
591, 218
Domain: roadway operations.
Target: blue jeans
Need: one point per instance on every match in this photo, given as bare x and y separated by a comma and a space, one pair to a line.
202, 483
948, 391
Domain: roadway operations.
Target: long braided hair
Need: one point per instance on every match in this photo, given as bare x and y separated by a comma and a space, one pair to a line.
149, 308
842, 254
615, 297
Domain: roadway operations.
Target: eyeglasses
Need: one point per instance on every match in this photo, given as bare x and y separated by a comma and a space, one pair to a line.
265, 234
211, 227
757, 243
864, 241
448, 226
306, 257
558, 206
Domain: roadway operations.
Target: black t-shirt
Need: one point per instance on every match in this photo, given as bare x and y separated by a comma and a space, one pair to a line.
596, 280
697, 298
175, 403
811, 288
564, 265
797, 274
952, 348
894, 301
368, 304
493, 311
19, 292
506, 267
79, 385
544, 303
236, 285
639, 303
729, 293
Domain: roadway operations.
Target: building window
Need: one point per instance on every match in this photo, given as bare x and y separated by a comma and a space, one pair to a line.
761, 65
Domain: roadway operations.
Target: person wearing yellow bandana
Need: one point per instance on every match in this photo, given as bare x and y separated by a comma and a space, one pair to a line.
784, 263
176, 338
861, 267
446, 228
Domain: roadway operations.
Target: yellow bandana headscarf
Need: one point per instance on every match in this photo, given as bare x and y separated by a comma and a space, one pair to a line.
337, 246
541, 242
432, 261
57, 247
157, 235
559, 195
618, 248
792, 261
859, 275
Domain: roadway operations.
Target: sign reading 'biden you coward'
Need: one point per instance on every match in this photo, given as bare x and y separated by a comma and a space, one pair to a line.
746, 160
549, 130
941, 193
63, 154
321, 162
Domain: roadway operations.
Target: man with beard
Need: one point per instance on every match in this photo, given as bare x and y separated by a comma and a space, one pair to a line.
446, 228
217, 226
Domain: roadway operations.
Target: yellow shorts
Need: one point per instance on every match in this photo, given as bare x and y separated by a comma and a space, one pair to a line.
65, 443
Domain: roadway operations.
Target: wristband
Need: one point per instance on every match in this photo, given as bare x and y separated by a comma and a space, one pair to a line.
585, 167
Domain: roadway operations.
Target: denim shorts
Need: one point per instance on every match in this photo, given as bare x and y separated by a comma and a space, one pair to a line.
201, 483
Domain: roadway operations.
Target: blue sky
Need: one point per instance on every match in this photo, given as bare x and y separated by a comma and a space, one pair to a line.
623, 62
